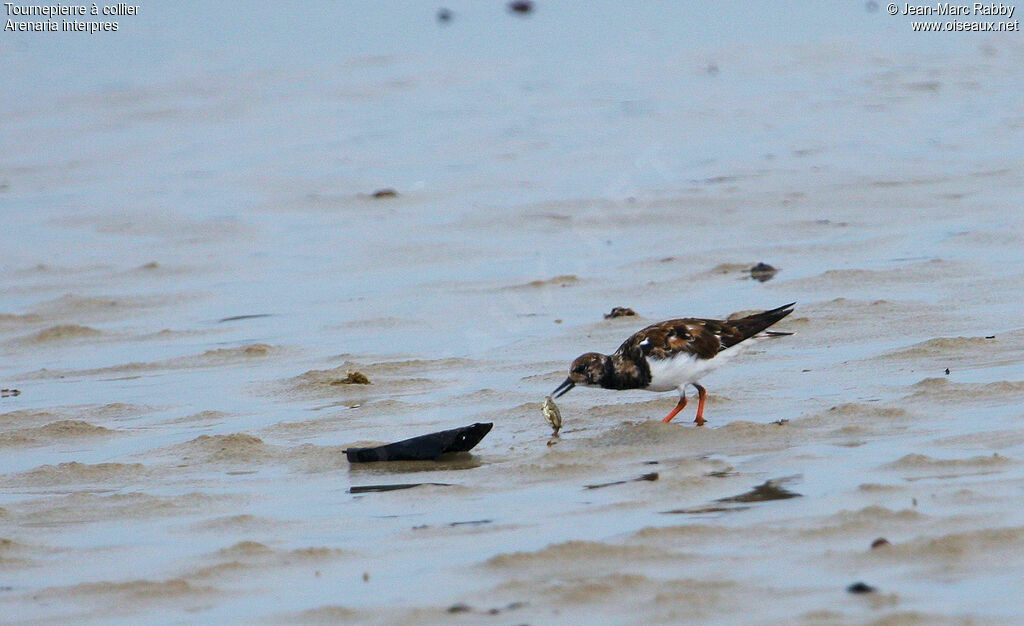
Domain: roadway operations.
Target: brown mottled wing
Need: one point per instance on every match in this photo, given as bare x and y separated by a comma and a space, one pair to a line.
667, 339
726, 334
701, 337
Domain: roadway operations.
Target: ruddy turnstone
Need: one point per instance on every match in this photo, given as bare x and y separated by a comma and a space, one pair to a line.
672, 354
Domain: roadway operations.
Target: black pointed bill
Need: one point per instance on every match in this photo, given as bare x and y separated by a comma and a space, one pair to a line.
566, 385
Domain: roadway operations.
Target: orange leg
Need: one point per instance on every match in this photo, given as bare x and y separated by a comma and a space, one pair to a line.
702, 394
679, 407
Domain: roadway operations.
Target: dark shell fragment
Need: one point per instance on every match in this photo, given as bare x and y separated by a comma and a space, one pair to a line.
424, 447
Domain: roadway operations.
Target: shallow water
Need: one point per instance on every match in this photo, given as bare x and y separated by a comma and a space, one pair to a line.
164, 462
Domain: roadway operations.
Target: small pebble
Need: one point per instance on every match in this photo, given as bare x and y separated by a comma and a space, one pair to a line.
763, 272
353, 378
520, 6
880, 542
620, 311
861, 587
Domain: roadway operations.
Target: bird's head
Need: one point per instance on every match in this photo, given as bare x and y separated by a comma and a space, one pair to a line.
587, 370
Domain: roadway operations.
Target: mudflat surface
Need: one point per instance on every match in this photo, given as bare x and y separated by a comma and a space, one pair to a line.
195, 264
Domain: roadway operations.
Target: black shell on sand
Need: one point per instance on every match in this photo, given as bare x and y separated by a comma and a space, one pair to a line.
424, 447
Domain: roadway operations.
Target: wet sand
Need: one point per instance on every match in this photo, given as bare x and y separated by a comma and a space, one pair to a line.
196, 268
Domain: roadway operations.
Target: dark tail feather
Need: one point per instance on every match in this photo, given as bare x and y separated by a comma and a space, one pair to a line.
753, 324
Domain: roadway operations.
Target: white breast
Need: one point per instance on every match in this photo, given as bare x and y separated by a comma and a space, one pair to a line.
674, 373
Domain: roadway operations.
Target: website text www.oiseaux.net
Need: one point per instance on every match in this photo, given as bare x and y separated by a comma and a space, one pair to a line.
958, 26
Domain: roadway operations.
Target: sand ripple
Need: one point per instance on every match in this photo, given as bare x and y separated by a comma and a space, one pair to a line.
957, 546
248, 555
944, 391
935, 270
134, 589
329, 614
77, 308
867, 521
74, 472
80, 508
949, 349
245, 522
387, 377
563, 280
578, 551
236, 448
59, 431
210, 358
924, 462
63, 332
